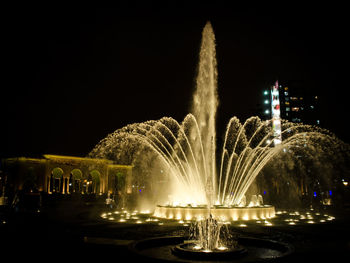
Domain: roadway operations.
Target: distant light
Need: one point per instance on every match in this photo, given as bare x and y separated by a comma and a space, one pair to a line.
264, 192
315, 194
330, 192
140, 190
345, 183
266, 92
267, 101
267, 111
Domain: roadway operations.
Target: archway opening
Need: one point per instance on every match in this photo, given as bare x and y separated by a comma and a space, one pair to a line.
76, 177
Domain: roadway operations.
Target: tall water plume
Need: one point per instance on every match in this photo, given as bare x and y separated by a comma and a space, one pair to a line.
205, 103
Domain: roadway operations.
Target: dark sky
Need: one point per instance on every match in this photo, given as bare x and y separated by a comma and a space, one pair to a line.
73, 75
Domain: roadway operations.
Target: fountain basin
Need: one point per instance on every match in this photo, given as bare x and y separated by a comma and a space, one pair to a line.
250, 250
222, 213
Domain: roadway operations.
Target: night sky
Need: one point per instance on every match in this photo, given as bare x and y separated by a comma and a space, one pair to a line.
74, 75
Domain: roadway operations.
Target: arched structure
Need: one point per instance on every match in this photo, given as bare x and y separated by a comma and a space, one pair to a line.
68, 174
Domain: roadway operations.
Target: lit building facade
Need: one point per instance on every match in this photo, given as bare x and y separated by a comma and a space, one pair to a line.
66, 175
296, 104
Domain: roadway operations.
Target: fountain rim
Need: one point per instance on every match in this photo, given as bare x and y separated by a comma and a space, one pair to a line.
214, 206
223, 213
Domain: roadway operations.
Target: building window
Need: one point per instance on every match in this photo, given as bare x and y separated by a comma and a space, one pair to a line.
286, 93
293, 98
287, 103
295, 108
318, 121
287, 109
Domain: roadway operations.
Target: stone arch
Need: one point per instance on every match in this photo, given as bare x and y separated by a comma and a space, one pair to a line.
94, 181
76, 178
56, 180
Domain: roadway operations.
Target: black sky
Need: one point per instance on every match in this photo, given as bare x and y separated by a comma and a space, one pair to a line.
73, 75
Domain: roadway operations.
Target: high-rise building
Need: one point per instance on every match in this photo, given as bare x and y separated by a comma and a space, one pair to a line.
294, 103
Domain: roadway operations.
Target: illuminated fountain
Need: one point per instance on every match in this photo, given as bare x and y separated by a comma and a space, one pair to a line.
186, 153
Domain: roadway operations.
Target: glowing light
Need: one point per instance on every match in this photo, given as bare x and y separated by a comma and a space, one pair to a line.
222, 248
138, 222
267, 223
242, 225
122, 220
197, 247
291, 223
188, 217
